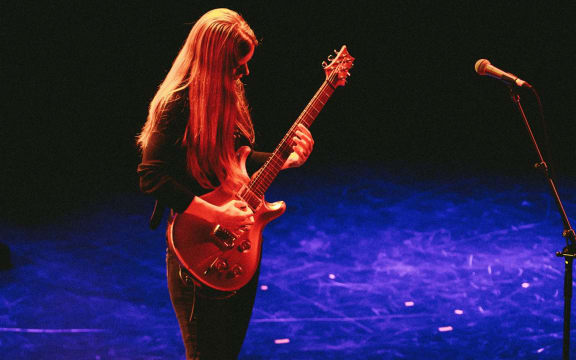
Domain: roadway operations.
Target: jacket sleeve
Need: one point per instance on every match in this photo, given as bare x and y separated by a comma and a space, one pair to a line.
162, 171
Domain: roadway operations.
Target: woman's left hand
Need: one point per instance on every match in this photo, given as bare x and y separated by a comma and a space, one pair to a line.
303, 145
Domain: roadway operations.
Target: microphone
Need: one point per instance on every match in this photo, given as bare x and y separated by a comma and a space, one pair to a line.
483, 67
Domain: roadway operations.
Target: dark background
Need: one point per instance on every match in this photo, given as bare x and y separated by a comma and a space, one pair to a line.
77, 79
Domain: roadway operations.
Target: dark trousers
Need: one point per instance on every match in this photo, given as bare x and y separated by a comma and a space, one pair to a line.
212, 326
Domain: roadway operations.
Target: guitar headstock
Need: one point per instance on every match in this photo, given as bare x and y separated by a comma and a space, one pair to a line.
337, 69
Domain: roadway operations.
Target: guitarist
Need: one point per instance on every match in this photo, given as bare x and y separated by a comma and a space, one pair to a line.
197, 120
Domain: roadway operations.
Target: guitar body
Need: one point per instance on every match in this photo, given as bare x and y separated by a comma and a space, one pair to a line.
226, 261
213, 256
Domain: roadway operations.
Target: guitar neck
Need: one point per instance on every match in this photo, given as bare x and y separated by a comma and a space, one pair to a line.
272, 167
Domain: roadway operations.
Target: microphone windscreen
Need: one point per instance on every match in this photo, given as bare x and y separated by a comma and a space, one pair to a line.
481, 65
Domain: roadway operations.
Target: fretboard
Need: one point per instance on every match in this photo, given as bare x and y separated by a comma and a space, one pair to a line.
268, 172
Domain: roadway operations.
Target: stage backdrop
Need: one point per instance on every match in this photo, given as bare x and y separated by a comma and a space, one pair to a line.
78, 79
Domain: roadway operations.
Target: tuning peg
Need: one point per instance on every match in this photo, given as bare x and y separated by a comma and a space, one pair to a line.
335, 51
324, 64
330, 57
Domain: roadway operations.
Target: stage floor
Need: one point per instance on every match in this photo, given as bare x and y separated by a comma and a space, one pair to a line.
364, 265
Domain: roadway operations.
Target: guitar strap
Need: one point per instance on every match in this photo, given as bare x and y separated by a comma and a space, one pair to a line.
157, 214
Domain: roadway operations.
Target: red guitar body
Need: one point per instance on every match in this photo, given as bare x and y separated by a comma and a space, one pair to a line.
215, 257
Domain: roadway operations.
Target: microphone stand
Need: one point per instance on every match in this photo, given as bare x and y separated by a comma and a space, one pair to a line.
569, 251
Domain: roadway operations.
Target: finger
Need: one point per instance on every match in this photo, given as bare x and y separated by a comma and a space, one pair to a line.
240, 204
297, 142
300, 152
305, 142
304, 130
304, 136
303, 145
244, 229
245, 213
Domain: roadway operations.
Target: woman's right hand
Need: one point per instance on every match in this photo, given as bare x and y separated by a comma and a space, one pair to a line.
235, 216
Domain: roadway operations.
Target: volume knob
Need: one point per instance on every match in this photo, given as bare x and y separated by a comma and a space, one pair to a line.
236, 270
245, 246
221, 265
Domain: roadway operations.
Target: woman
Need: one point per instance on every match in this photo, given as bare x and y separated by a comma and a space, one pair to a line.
196, 122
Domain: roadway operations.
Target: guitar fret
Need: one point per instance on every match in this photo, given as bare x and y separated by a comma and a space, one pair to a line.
273, 165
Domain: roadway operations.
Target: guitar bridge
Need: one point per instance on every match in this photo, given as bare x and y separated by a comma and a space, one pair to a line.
224, 237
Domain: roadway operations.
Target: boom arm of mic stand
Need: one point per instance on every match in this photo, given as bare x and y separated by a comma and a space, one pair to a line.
569, 252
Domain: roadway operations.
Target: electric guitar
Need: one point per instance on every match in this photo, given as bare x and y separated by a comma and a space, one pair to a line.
224, 260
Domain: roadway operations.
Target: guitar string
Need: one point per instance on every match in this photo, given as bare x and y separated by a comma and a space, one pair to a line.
257, 185
276, 160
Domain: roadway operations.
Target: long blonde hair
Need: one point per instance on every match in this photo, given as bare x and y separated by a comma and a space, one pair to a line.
218, 107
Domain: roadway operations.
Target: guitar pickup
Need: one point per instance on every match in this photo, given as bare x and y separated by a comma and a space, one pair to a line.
249, 197
224, 237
